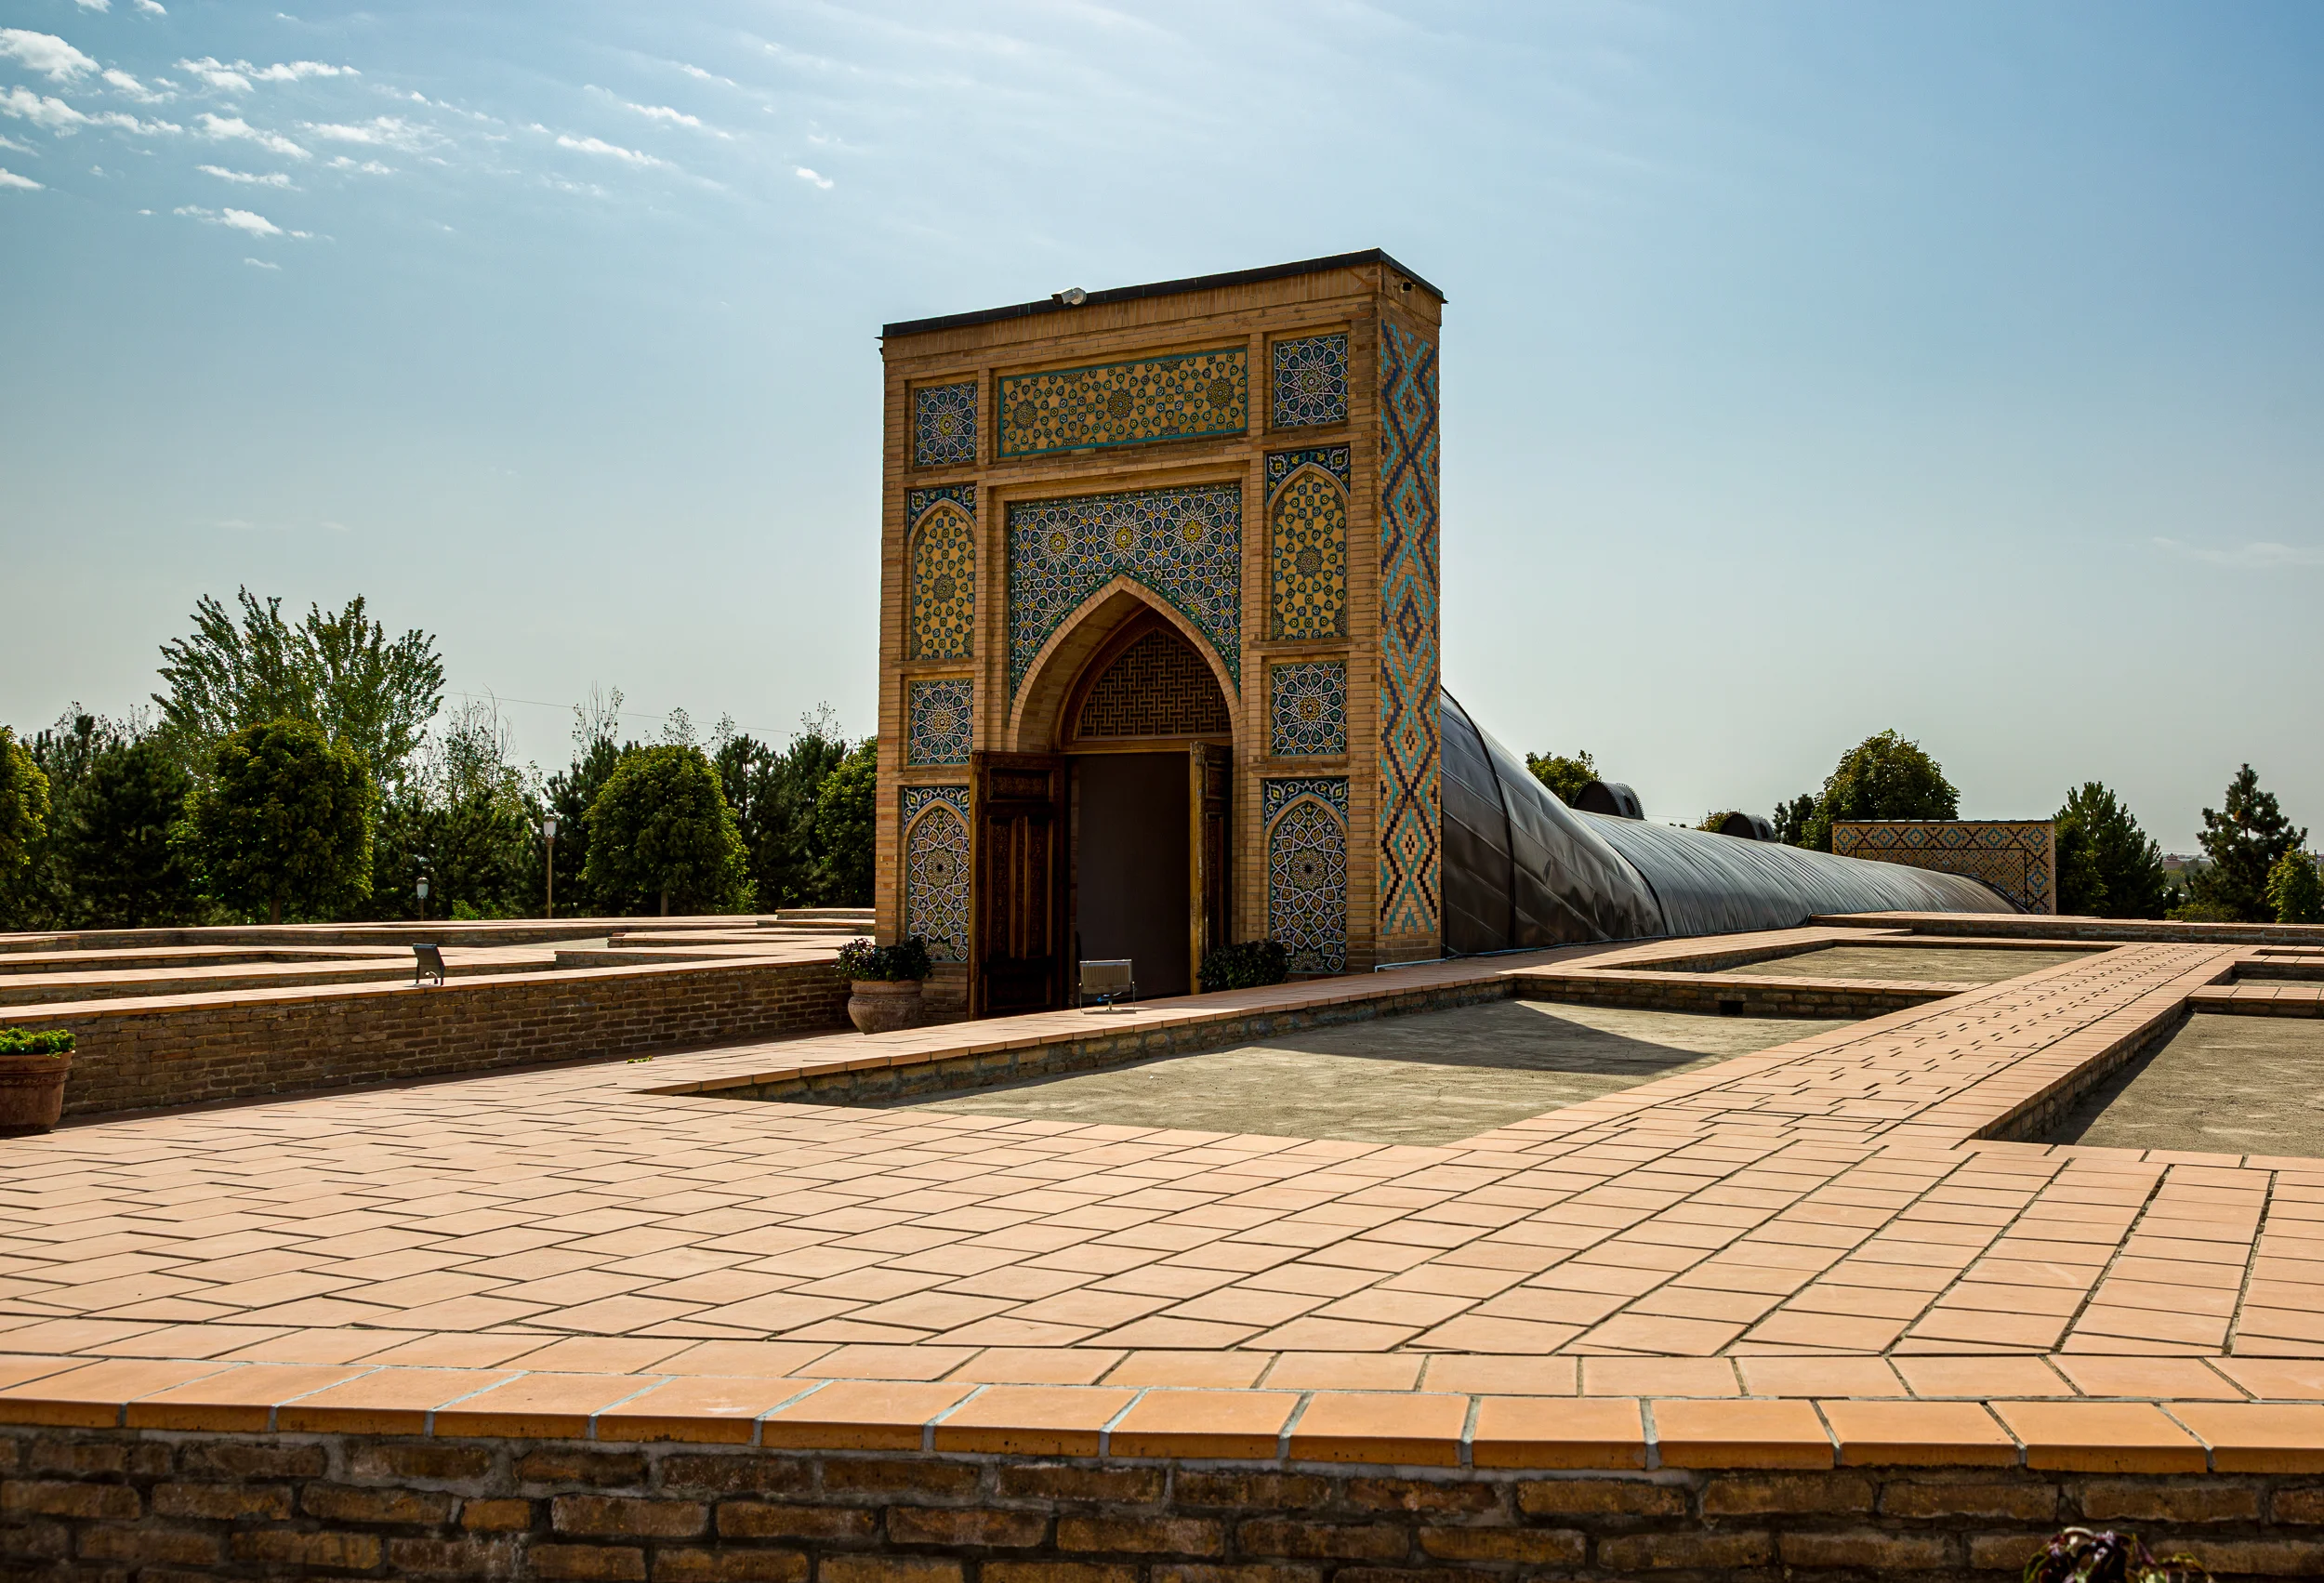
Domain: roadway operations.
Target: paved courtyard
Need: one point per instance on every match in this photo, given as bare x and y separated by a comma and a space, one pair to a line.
1432, 1079
2222, 1083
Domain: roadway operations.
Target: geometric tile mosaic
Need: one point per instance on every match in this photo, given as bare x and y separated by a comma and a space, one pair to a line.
1308, 555
1186, 545
1311, 381
1307, 708
2017, 858
1125, 403
935, 826
938, 720
943, 563
943, 425
1410, 760
1333, 459
1306, 822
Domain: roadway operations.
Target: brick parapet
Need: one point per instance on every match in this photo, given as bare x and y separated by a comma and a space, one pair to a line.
97, 1502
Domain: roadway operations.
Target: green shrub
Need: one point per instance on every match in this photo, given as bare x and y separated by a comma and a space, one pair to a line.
35, 1041
1248, 964
2294, 890
2205, 912
904, 962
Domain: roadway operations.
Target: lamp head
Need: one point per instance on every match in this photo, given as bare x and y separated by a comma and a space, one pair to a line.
423, 887
549, 827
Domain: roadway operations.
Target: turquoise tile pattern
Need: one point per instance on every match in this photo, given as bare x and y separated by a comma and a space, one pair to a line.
1412, 763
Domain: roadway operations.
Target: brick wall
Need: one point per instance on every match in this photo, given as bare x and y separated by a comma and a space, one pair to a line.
239, 1046
109, 1503
1638, 991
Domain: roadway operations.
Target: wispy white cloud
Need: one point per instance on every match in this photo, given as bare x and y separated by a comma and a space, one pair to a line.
244, 177
2260, 555
610, 151
237, 76
236, 219
812, 178
260, 264
22, 183
8, 142
224, 126
152, 7
664, 113
44, 53
366, 167
381, 131
96, 5
134, 89
62, 119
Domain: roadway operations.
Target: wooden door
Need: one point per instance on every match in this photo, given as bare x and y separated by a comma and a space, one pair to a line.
1018, 943
1213, 771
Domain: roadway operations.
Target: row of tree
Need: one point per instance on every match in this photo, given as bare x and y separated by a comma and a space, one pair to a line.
2256, 867
310, 772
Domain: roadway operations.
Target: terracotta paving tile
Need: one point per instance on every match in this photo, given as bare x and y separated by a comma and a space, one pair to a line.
92, 1396
702, 1409
2257, 1437
848, 1415
1538, 1431
2101, 1437
875, 1362
1031, 1420
1203, 1423
1038, 1365
1659, 1376
1820, 1376
239, 1401
1918, 1433
1936, 1376
1702, 1433
454, 1351
537, 1407
1190, 1369
2157, 1378
388, 1400
1413, 1429
763, 1360
1520, 1376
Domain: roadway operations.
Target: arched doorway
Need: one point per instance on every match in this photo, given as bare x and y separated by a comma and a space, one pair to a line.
1147, 738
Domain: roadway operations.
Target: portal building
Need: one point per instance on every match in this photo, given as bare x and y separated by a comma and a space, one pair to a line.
1159, 657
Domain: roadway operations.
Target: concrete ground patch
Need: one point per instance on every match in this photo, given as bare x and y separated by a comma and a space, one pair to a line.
2221, 1085
1927, 964
1428, 1079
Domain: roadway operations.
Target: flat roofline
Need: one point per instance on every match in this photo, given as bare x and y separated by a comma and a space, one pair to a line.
1158, 288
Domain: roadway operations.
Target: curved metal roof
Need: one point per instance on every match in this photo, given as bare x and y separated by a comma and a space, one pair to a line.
1522, 869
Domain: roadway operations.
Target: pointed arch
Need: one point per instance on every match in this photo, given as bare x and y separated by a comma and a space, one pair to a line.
1041, 715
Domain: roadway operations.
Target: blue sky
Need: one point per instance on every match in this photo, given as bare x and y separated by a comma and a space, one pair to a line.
1810, 368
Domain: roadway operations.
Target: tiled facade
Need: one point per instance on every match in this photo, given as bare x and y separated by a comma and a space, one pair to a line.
1249, 461
1307, 869
935, 821
2017, 858
1411, 763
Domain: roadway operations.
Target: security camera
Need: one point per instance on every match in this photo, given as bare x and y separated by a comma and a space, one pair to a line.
1072, 297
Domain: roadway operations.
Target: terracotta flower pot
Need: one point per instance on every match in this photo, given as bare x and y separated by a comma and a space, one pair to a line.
878, 1005
31, 1093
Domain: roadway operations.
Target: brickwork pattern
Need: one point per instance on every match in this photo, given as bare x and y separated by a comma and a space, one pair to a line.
1156, 687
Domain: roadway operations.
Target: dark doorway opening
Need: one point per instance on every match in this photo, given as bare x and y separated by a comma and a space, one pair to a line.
1132, 869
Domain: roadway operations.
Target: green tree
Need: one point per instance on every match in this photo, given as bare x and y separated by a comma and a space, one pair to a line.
845, 826
284, 823
1881, 777
1563, 776
337, 671
2107, 866
466, 817
1793, 818
660, 828
2244, 841
23, 807
130, 869
774, 794
2294, 890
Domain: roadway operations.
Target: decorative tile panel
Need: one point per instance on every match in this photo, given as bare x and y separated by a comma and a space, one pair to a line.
936, 869
1186, 544
938, 720
2016, 858
1311, 383
1307, 709
943, 425
1307, 556
1333, 459
1125, 404
1307, 870
918, 501
1411, 763
942, 596
1158, 686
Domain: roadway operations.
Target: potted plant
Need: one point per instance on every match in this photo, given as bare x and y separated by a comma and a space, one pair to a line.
2081, 1555
33, 1066
884, 982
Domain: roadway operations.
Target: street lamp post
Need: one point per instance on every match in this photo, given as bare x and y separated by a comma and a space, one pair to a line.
422, 889
549, 834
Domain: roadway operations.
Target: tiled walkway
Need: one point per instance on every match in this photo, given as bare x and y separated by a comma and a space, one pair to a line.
1821, 1219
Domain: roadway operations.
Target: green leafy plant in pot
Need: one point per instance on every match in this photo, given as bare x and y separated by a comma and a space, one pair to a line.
33, 1064
884, 993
